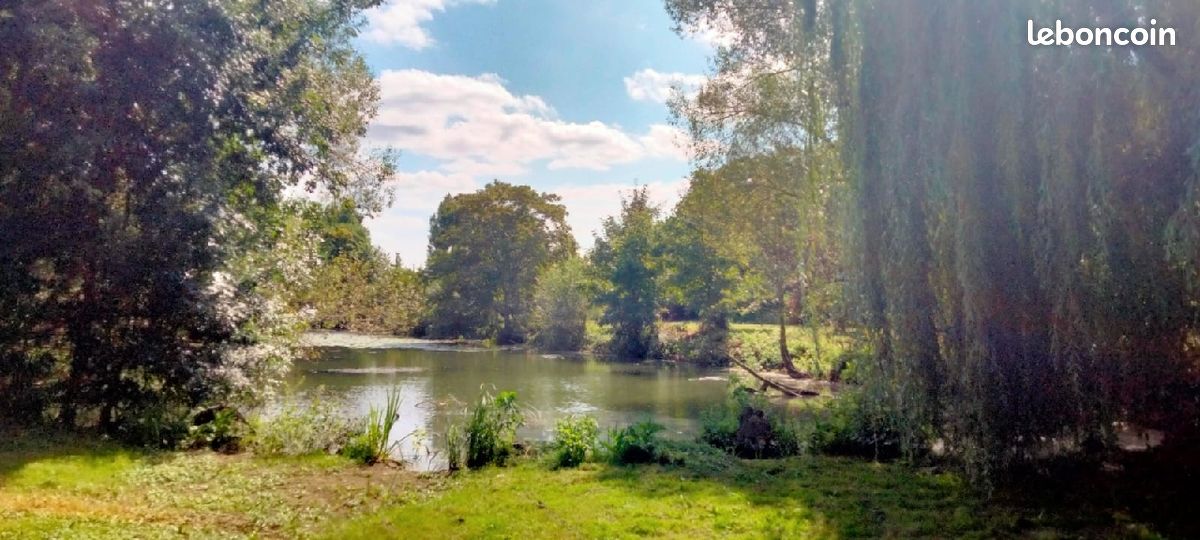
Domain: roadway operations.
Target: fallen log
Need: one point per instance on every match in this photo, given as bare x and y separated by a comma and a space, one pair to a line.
787, 391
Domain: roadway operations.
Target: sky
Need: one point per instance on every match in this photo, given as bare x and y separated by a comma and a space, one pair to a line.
565, 96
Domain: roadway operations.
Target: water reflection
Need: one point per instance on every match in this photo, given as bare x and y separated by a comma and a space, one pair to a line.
438, 385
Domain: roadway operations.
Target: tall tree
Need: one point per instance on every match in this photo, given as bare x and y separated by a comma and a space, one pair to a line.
1025, 220
142, 149
486, 250
625, 258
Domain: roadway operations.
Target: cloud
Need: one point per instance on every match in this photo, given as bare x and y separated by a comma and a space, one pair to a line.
588, 205
400, 21
651, 85
714, 34
404, 228
468, 130
476, 125
400, 234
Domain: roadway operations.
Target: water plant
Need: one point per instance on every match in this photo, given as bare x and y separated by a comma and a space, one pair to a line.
373, 444
490, 433
636, 443
300, 427
574, 440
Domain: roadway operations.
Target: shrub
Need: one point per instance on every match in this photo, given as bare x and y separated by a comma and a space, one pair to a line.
371, 445
301, 428
456, 446
560, 311
719, 425
574, 439
854, 424
152, 425
220, 428
637, 443
489, 435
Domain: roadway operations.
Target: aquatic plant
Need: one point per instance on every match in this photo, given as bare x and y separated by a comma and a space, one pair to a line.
372, 444
574, 440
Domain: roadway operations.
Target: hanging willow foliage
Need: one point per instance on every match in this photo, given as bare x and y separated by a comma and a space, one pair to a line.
1027, 219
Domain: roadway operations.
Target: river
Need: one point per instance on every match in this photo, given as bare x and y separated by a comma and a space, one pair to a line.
439, 381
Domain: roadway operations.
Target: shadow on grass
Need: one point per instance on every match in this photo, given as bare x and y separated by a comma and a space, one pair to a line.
840, 497
1153, 494
1134, 494
84, 455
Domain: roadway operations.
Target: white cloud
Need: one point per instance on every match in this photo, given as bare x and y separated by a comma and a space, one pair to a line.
715, 33
474, 129
476, 125
400, 21
588, 205
651, 85
400, 234
666, 141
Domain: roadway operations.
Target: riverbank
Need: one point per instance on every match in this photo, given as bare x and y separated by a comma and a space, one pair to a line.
74, 486
56, 486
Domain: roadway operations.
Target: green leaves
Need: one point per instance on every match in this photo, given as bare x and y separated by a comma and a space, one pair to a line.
486, 250
625, 260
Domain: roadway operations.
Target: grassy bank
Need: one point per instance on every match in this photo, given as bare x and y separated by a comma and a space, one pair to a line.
63, 486
67, 487
812, 497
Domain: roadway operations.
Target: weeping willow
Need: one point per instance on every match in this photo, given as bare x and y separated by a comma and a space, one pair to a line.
1037, 211
1026, 224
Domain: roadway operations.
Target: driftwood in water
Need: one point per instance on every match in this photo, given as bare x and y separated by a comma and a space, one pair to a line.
788, 391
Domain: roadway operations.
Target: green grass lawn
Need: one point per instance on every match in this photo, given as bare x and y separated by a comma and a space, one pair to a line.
68, 487
54, 486
812, 497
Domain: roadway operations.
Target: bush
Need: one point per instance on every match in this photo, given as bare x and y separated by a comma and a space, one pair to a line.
560, 310
637, 443
301, 428
574, 440
489, 435
856, 425
719, 425
221, 429
371, 445
152, 425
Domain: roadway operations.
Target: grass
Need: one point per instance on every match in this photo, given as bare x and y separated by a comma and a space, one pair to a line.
759, 343
811, 497
62, 486
58, 486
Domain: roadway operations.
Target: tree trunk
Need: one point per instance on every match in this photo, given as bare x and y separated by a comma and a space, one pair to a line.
784, 354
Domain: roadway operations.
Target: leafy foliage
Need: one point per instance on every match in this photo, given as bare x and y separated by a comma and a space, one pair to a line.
366, 295
1026, 271
491, 430
373, 443
719, 425
301, 427
144, 149
625, 260
486, 250
635, 443
560, 311
574, 440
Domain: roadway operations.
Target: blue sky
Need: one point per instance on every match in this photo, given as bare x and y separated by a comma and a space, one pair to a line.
566, 96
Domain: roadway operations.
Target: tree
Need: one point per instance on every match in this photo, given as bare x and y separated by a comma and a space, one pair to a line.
625, 261
762, 124
486, 250
1024, 222
339, 225
706, 261
560, 306
145, 149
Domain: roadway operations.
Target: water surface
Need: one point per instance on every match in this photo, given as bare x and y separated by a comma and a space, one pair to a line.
439, 381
